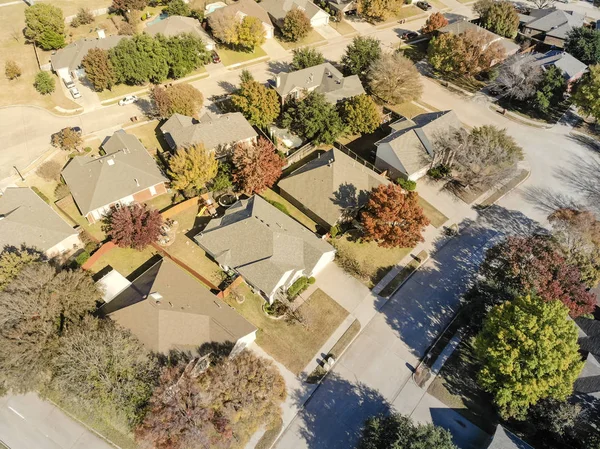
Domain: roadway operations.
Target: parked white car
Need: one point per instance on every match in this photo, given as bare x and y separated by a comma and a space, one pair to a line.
69, 83
75, 92
128, 100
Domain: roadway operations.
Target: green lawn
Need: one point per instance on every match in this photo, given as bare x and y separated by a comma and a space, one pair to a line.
312, 38
405, 12
160, 202
436, 218
150, 136
342, 27
372, 262
295, 213
124, 260
119, 91
293, 345
230, 57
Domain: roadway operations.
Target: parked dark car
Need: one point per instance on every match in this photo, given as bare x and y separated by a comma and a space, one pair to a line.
424, 6
409, 35
77, 129
215, 57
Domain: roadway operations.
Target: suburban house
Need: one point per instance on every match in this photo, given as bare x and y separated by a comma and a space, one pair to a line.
167, 309
26, 220
550, 26
323, 78
269, 249
504, 439
571, 67
175, 25
125, 174
408, 151
243, 8
342, 6
277, 10
66, 62
217, 132
588, 382
331, 188
461, 26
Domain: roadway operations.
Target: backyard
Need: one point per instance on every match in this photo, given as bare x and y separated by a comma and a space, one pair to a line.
68, 207
124, 260
293, 345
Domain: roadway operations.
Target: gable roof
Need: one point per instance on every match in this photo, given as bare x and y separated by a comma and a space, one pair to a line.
279, 8
412, 141
249, 8
570, 66
127, 168
175, 25
330, 184
588, 381
323, 78
555, 22
26, 219
166, 308
461, 26
504, 439
72, 55
261, 243
212, 130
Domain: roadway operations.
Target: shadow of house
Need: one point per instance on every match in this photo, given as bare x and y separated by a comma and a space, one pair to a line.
504, 439
331, 188
464, 434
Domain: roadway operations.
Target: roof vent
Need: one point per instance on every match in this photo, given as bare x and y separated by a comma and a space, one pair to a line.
2, 216
137, 183
217, 304
111, 162
156, 297
311, 77
101, 34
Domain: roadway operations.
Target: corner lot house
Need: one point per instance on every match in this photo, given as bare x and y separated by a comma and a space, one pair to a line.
331, 188
217, 133
25, 219
278, 9
550, 25
66, 62
269, 249
571, 67
125, 174
175, 25
323, 78
251, 8
168, 309
408, 151
458, 27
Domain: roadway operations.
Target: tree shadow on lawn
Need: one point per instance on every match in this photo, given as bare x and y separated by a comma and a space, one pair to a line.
276, 67
334, 416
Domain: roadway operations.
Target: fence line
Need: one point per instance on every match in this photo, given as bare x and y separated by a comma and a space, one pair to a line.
344, 149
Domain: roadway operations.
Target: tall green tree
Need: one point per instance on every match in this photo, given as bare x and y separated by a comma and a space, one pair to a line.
306, 57
296, 25
98, 69
140, 59
185, 53
584, 44
528, 351
259, 104
123, 6
45, 26
250, 33
396, 431
360, 114
44, 83
178, 8
313, 118
360, 54
501, 18
551, 89
587, 93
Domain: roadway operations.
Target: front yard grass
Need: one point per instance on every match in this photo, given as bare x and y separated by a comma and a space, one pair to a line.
342, 27
312, 38
436, 218
150, 136
372, 261
124, 260
438, 4
293, 345
230, 57
120, 90
403, 13
294, 212
408, 109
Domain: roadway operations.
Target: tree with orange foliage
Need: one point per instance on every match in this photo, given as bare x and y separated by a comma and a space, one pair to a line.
393, 217
256, 166
434, 22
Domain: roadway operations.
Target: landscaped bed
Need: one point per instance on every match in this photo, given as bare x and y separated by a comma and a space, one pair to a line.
293, 345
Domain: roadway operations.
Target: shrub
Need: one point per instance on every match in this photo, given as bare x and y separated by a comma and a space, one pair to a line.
44, 83
334, 230
84, 17
311, 280
297, 287
296, 25
40, 194
12, 70
66, 139
439, 172
279, 206
61, 191
50, 171
82, 258
406, 184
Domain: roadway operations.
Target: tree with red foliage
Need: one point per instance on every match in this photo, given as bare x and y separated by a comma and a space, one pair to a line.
535, 264
256, 166
133, 226
434, 22
221, 407
393, 217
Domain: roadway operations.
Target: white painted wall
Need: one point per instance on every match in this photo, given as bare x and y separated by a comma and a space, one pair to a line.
322, 263
320, 19
243, 343
68, 244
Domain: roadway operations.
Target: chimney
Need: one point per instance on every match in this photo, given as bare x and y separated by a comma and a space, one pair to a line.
156, 297
101, 34
310, 78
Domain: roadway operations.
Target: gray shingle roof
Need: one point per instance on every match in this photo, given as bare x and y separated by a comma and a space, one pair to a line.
26, 219
461, 26
503, 439
412, 141
127, 168
186, 316
72, 55
330, 184
589, 343
174, 25
261, 243
277, 9
555, 22
325, 78
250, 8
570, 65
212, 130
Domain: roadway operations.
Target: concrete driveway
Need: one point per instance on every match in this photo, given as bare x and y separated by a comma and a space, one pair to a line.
27, 422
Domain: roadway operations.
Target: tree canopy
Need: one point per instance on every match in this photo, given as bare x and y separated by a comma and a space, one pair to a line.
434, 22
192, 167
45, 26
393, 218
44, 83
135, 226
519, 76
551, 89
296, 25
123, 6
397, 431
395, 79
67, 139
181, 98
584, 44
306, 57
501, 18
528, 351
360, 114
587, 93
13, 260
256, 166
98, 69
360, 54
376, 10
178, 8
259, 104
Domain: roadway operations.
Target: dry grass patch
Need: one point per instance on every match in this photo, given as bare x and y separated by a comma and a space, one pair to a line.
70, 7
343, 27
293, 345
150, 136
436, 218
68, 207
408, 109
312, 38
104, 22
124, 260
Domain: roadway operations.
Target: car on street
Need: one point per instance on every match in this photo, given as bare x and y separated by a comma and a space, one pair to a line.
128, 100
409, 35
424, 6
215, 57
75, 92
